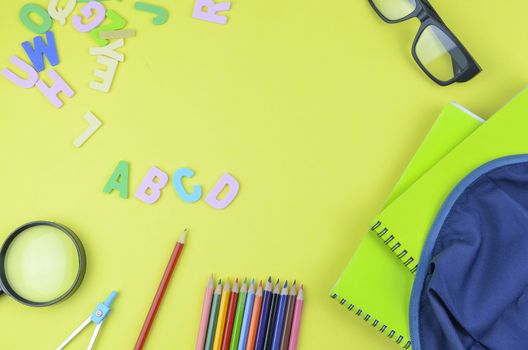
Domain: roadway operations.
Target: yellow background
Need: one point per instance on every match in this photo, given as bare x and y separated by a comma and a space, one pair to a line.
314, 106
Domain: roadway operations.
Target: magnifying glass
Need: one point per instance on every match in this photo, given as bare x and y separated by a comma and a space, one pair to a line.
41, 263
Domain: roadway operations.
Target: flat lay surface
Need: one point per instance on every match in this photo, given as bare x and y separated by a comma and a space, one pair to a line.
314, 108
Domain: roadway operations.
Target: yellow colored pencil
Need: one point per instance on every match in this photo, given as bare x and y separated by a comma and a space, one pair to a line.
222, 313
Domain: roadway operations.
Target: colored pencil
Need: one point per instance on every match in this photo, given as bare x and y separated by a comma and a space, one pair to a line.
264, 313
222, 312
206, 309
215, 307
288, 318
244, 328
239, 315
145, 330
272, 316
296, 323
230, 318
255, 314
279, 321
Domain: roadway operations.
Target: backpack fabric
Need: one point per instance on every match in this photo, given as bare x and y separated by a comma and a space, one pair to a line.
471, 287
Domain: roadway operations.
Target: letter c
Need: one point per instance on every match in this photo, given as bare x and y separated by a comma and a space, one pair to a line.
196, 193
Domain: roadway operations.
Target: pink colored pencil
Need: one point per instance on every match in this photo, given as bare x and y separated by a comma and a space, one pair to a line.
205, 314
296, 323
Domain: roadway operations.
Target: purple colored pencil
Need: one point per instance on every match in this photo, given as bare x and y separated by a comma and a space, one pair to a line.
274, 303
279, 321
263, 320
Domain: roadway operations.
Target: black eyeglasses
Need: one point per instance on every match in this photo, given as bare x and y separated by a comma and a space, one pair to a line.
436, 49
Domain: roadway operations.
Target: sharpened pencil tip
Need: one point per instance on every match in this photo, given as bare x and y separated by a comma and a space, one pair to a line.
183, 236
285, 284
268, 286
293, 289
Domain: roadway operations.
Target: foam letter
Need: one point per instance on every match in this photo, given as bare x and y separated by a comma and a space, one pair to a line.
109, 50
155, 187
178, 186
93, 125
207, 10
25, 83
87, 11
107, 75
119, 180
117, 34
51, 92
212, 197
162, 15
116, 22
36, 55
60, 13
27, 10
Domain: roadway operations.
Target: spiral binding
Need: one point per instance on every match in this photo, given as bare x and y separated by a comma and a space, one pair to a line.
410, 262
367, 317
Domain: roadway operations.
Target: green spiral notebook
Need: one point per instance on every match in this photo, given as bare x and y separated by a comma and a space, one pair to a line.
374, 283
402, 227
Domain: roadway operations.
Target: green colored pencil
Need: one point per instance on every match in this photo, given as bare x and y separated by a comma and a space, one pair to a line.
215, 306
239, 315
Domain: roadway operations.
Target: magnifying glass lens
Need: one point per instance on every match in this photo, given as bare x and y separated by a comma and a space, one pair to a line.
41, 263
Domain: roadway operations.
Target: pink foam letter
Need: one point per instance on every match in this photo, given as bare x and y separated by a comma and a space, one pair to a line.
149, 183
59, 85
207, 10
87, 12
27, 83
212, 197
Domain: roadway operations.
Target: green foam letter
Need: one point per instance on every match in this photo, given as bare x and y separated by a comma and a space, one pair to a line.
38, 28
119, 180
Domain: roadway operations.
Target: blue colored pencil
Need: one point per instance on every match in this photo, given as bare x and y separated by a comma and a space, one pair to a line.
244, 330
279, 321
274, 303
263, 320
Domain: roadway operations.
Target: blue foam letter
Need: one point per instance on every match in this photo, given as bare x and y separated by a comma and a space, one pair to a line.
36, 55
178, 186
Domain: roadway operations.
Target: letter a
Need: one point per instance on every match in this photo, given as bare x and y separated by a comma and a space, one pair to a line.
119, 180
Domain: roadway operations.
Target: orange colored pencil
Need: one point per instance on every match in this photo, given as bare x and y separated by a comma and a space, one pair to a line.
255, 314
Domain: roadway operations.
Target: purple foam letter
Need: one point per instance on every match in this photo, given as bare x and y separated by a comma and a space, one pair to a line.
212, 197
154, 186
51, 92
86, 11
27, 83
207, 10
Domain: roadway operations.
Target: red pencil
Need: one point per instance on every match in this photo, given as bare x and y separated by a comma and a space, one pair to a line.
161, 292
230, 318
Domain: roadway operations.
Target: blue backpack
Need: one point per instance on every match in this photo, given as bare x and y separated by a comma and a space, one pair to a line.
471, 287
